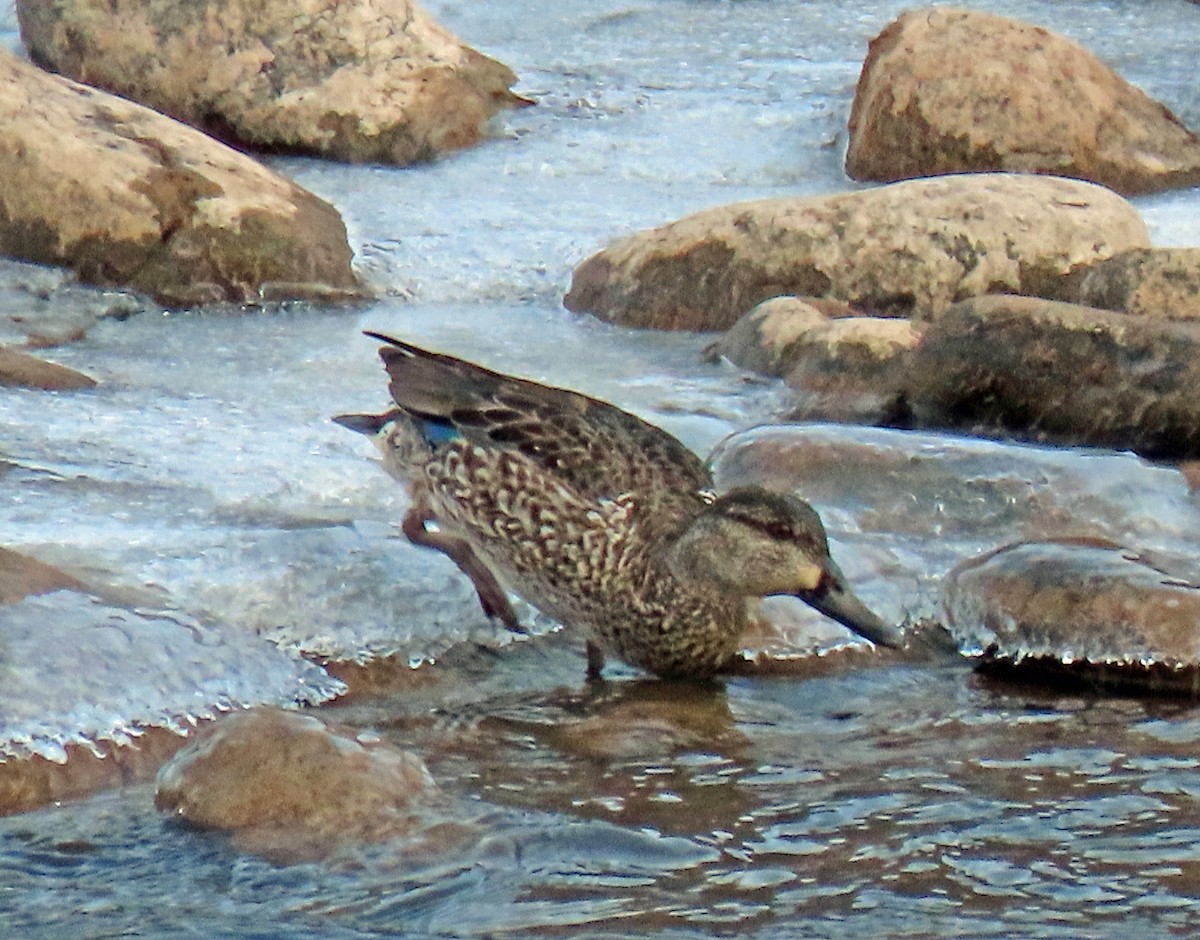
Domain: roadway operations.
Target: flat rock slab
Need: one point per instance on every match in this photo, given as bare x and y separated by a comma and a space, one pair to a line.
1092, 611
946, 90
372, 80
1059, 373
909, 249
292, 787
126, 197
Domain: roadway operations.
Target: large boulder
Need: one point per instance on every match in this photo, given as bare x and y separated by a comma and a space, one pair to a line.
909, 249
1060, 373
372, 80
127, 197
945, 90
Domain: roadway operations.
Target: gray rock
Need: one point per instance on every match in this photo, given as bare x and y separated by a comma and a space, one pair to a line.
1151, 282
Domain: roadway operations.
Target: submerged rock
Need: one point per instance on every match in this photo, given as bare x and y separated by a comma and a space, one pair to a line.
291, 786
902, 508
1091, 611
22, 369
909, 249
1151, 282
127, 197
1059, 373
369, 81
22, 576
946, 90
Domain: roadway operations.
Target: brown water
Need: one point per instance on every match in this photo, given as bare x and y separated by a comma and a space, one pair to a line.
855, 800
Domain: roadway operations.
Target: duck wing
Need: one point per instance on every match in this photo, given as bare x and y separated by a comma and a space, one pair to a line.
593, 447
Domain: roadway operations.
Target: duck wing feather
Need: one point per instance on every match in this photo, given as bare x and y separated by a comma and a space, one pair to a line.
595, 448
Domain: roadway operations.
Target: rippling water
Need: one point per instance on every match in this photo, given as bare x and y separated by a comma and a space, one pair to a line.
888, 802
844, 799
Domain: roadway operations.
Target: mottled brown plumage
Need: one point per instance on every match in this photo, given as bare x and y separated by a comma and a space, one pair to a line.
596, 517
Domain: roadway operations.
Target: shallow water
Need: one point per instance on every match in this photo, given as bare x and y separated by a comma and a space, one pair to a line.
844, 799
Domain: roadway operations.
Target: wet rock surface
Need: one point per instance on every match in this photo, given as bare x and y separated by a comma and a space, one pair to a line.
54, 709
947, 90
909, 249
292, 787
22, 576
1087, 610
1055, 372
904, 508
373, 81
1150, 282
127, 197
28, 371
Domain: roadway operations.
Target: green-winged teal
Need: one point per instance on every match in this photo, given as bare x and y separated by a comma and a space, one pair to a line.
597, 518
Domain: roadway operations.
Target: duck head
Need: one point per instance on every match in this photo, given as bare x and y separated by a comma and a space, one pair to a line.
755, 542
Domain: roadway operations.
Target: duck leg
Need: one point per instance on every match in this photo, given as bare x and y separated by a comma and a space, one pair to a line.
492, 597
595, 661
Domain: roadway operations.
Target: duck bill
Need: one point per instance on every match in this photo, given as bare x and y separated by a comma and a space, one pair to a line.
838, 602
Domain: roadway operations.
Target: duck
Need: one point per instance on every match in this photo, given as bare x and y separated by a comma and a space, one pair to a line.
597, 518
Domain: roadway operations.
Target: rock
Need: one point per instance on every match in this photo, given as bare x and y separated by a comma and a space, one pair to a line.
373, 80
89, 682
850, 370
946, 90
1089, 611
842, 366
128, 197
1152, 282
22, 576
21, 369
909, 249
645, 719
902, 508
1059, 373
765, 339
35, 782
291, 786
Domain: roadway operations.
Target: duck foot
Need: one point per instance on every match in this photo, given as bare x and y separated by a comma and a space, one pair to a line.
492, 597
